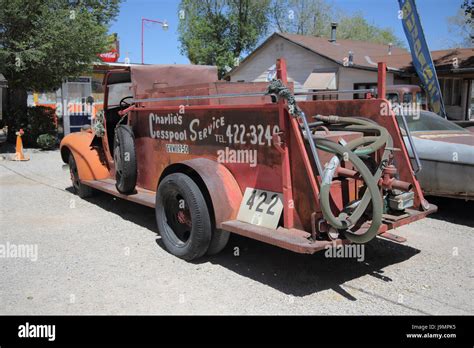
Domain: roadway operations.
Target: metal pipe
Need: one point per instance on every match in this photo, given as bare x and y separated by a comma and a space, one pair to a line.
333, 32
311, 144
412, 144
343, 91
143, 29
401, 185
347, 173
164, 25
236, 95
200, 97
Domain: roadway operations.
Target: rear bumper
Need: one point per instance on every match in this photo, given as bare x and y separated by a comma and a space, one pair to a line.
299, 241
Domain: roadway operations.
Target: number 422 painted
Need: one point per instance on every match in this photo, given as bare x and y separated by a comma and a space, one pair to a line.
261, 208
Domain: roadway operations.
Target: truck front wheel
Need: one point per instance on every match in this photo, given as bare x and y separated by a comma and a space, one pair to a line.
79, 188
182, 217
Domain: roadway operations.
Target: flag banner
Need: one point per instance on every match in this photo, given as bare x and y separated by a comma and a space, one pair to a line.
422, 61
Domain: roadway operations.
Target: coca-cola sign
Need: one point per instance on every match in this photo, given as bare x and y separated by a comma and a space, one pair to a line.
109, 57
113, 54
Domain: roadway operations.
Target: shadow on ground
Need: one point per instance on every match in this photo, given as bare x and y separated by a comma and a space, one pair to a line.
456, 211
6, 148
291, 273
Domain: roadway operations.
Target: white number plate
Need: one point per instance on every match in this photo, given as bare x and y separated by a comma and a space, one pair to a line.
261, 208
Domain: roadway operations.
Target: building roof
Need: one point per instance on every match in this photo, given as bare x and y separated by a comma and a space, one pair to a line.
364, 53
443, 59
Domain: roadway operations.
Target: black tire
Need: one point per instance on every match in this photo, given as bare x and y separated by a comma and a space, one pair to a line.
125, 160
219, 240
182, 217
79, 188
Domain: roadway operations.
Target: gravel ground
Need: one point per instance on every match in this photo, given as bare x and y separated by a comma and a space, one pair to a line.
103, 256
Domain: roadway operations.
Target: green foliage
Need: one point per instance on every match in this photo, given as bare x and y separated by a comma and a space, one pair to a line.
313, 17
461, 28
98, 124
301, 17
47, 141
104, 11
38, 120
217, 32
44, 41
468, 7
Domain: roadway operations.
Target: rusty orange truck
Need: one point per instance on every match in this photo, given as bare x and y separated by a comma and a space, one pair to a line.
214, 158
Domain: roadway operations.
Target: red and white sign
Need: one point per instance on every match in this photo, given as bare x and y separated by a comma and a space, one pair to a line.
109, 57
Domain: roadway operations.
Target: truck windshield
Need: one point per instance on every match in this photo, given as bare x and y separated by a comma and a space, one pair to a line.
393, 98
117, 92
429, 121
420, 98
407, 97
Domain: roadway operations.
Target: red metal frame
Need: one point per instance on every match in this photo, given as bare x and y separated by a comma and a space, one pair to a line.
288, 202
381, 80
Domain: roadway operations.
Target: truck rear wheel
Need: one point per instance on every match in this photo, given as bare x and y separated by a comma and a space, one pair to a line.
79, 188
182, 217
218, 241
125, 160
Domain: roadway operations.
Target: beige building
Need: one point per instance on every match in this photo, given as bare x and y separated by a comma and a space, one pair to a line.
318, 64
321, 64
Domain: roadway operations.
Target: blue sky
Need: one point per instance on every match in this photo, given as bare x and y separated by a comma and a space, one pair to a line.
162, 47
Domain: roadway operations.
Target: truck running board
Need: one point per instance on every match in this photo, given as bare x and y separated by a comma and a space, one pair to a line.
140, 196
290, 239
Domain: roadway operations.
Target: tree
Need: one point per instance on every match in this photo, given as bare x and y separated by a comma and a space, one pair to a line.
313, 17
218, 32
460, 26
301, 17
468, 7
44, 41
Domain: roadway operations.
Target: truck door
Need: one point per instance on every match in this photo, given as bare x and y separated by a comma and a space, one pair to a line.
117, 87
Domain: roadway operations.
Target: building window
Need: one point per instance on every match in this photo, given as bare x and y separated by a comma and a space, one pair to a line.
363, 86
328, 96
451, 91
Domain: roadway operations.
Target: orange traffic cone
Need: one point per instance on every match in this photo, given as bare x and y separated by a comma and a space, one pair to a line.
19, 156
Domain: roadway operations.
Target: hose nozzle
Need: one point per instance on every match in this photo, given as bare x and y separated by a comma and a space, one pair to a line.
328, 119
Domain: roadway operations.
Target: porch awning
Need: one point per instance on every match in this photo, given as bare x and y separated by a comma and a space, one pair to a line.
321, 81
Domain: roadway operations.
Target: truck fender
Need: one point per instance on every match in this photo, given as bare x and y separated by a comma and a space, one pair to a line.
90, 166
221, 186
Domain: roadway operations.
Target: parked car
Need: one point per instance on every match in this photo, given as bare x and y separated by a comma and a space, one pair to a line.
406, 94
446, 151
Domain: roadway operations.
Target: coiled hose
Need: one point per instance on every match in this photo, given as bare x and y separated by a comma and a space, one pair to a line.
351, 151
358, 147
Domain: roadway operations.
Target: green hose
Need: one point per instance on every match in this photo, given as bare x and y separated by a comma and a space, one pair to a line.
353, 150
